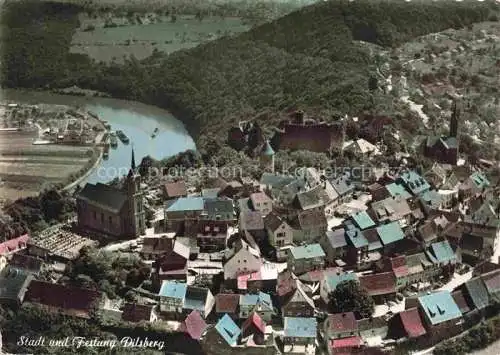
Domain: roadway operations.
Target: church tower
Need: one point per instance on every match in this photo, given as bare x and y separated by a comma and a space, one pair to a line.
455, 116
267, 157
136, 212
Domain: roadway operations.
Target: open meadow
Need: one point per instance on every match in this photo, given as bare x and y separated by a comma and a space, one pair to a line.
106, 42
25, 169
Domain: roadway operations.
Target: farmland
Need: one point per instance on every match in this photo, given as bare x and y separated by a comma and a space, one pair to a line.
105, 43
25, 169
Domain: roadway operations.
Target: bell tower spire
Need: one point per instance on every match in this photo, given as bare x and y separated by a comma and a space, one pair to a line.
132, 164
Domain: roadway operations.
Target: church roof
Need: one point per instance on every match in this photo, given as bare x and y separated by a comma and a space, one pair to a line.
103, 196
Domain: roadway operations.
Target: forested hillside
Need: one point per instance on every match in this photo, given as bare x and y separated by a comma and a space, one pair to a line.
310, 58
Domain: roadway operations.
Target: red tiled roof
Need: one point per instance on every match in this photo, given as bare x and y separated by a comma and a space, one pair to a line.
227, 302
379, 284
242, 281
194, 325
133, 312
13, 244
351, 342
459, 298
176, 189
343, 322
412, 323
398, 265
317, 275
73, 300
256, 320
286, 283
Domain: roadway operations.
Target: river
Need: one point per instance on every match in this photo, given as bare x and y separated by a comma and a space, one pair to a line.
136, 120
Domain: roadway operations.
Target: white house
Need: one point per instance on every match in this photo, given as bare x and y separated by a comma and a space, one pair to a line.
243, 259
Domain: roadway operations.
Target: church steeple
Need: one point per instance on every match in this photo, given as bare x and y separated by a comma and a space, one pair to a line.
132, 164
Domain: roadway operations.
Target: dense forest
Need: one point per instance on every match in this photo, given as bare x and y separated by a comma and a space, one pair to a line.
312, 58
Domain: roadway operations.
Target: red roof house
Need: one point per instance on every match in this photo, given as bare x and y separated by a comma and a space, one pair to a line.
14, 245
254, 325
412, 323
227, 303
194, 325
341, 325
379, 285
398, 265
175, 189
345, 345
73, 301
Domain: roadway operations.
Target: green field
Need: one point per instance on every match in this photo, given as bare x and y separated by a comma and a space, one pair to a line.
106, 43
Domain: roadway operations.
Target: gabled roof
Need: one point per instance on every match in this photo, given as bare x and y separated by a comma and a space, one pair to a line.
479, 180
103, 196
390, 233
300, 296
300, 327
256, 320
414, 182
398, 266
439, 307
484, 216
218, 208
251, 221
443, 252
259, 197
396, 190
14, 244
307, 251
227, 302
311, 219
336, 238
432, 198
343, 343
251, 299
133, 312
195, 298
210, 193
492, 281
412, 323
228, 329
478, 293
26, 262
374, 241
71, 299
356, 237
187, 204
343, 322
392, 209
461, 301
309, 199
342, 185
194, 325
379, 284
272, 221
173, 289
175, 189
362, 220
276, 181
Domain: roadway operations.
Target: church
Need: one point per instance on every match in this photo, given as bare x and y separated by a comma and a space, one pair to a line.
117, 213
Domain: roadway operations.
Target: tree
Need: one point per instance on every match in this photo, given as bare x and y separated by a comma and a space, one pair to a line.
348, 296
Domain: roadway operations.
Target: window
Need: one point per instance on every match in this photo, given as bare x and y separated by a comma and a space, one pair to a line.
95, 215
280, 235
110, 220
102, 217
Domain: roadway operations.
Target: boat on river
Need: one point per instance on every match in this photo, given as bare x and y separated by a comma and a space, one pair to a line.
105, 154
122, 137
155, 132
113, 141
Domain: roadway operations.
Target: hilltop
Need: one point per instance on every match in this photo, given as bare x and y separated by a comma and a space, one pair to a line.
319, 58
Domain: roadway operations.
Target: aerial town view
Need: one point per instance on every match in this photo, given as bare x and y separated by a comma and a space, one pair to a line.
216, 177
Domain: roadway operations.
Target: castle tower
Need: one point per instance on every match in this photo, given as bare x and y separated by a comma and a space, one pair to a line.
136, 212
267, 157
298, 117
455, 116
